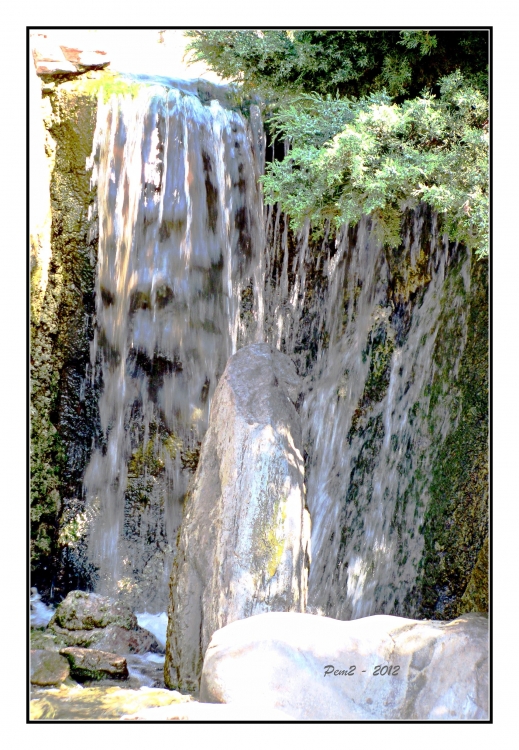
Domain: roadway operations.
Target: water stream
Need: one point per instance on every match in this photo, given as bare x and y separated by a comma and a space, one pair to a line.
180, 235
191, 268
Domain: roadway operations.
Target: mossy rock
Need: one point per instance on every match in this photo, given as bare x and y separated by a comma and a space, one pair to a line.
83, 611
91, 664
47, 640
475, 598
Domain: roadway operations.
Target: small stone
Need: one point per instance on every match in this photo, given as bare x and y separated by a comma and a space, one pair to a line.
48, 668
91, 664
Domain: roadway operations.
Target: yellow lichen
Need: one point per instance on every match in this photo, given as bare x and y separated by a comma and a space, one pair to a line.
271, 538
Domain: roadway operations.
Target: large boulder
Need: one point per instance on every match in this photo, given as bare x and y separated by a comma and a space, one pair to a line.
245, 536
90, 620
92, 664
48, 668
379, 668
81, 610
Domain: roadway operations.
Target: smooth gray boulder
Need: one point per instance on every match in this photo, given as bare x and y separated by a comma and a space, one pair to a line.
244, 545
317, 668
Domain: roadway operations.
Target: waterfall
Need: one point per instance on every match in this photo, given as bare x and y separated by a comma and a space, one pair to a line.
180, 234
365, 347
191, 268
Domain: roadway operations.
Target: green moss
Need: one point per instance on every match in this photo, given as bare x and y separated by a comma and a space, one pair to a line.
59, 321
145, 460
475, 598
190, 458
379, 349
108, 84
456, 520
172, 444
361, 476
408, 278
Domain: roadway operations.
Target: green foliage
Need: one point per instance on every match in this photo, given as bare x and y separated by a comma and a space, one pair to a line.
376, 122
342, 62
384, 158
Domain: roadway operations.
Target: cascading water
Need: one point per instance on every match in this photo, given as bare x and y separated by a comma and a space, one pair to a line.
367, 356
189, 271
180, 233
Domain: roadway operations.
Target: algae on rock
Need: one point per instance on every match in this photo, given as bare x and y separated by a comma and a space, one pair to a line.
63, 389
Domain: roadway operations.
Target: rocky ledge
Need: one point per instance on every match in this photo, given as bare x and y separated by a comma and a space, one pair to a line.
53, 60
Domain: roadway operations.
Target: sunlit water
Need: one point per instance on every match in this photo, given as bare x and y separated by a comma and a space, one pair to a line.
156, 624
97, 703
180, 233
369, 449
191, 268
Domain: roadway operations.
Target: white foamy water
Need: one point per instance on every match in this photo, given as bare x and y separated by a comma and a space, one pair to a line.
40, 613
156, 624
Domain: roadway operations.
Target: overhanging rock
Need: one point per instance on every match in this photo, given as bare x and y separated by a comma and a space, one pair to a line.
245, 537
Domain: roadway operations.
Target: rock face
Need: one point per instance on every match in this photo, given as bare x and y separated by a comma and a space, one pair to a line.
84, 619
317, 668
244, 541
91, 664
65, 417
48, 668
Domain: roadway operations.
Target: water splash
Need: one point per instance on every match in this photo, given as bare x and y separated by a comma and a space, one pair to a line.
41, 614
156, 624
